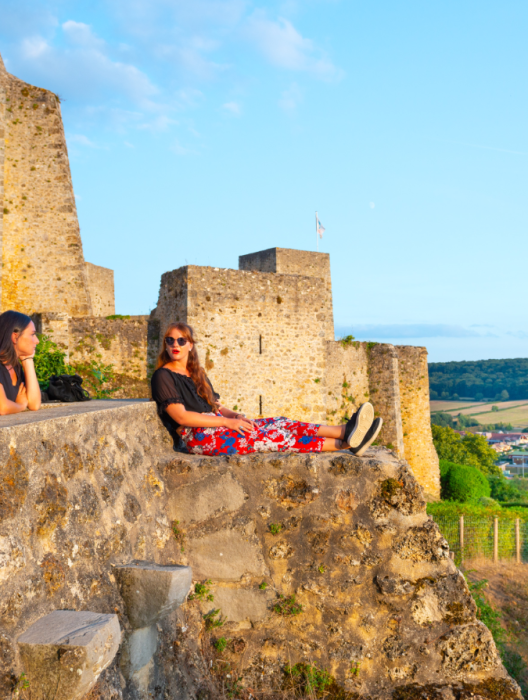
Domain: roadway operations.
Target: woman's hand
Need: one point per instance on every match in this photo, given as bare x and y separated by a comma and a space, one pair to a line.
26, 357
239, 425
22, 397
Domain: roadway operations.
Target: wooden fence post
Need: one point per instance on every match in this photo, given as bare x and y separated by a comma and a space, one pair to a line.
517, 541
461, 537
496, 541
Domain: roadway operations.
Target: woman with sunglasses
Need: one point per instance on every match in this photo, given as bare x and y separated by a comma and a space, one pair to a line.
189, 407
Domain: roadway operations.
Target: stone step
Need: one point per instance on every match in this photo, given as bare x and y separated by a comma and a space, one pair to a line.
65, 652
152, 591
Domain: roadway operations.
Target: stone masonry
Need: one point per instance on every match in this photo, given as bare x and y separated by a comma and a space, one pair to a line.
100, 282
266, 330
43, 267
298, 561
266, 339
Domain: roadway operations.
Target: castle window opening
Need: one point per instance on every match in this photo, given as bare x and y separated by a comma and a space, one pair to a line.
260, 405
260, 345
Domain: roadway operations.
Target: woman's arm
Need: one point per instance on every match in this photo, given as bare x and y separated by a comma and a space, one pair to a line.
228, 413
8, 407
34, 396
191, 419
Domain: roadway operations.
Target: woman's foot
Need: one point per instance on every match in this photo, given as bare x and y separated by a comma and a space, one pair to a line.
369, 438
358, 426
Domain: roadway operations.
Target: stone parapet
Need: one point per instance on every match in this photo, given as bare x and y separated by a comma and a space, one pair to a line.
327, 560
346, 379
384, 390
100, 282
416, 419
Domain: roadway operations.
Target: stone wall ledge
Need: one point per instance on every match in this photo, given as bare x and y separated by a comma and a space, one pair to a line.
325, 559
50, 412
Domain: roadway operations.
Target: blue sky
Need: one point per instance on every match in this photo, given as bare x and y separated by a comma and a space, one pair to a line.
199, 131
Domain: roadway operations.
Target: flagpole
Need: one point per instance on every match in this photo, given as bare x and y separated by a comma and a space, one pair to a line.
316, 231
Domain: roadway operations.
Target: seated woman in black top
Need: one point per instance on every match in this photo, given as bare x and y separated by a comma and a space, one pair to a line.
188, 405
19, 387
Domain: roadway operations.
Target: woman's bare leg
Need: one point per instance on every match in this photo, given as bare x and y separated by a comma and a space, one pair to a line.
331, 431
333, 444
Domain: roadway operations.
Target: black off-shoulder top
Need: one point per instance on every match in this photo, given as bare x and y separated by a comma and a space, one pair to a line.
170, 387
11, 390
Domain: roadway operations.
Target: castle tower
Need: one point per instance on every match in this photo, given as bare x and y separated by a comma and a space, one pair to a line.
263, 328
3, 81
266, 338
43, 267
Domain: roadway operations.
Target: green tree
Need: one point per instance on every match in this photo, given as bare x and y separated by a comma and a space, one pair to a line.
471, 450
504, 396
442, 418
478, 447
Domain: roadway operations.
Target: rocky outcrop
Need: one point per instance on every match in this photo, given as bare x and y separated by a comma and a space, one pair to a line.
314, 575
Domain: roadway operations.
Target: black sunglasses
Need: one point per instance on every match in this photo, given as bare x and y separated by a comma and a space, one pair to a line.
181, 341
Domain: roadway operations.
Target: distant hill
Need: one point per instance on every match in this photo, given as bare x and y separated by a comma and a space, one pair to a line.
485, 379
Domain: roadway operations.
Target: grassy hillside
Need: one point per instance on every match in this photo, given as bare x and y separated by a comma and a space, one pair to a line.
496, 380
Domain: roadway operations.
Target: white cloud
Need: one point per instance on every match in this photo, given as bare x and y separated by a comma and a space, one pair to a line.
291, 98
34, 47
233, 108
80, 34
285, 47
84, 70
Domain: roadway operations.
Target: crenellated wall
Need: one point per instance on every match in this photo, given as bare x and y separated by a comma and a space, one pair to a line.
266, 338
262, 335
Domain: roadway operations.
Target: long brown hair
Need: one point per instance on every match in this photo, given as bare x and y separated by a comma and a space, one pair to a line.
193, 363
11, 322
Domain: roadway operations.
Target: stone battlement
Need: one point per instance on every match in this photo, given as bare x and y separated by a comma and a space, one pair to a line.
266, 339
303, 559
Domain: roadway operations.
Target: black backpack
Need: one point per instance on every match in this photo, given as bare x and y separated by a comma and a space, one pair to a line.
67, 388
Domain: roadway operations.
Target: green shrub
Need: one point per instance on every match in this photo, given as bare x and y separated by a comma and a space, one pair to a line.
462, 483
49, 360
447, 510
504, 491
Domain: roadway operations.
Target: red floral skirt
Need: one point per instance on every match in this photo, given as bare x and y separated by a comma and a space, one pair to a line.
269, 435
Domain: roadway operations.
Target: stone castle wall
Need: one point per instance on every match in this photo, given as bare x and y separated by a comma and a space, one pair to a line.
266, 339
342, 542
128, 343
3, 82
42, 258
414, 391
100, 282
262, 336
43, 267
